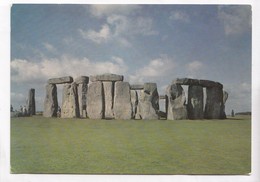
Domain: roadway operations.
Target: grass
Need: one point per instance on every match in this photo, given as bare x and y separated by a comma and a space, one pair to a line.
84, 146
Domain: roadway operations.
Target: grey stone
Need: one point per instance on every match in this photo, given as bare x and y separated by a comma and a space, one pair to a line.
95, 100
122, 101
81, 80
176, 100
162, 96
136, 87
214, 103
70, 106
61, 80
134, 101
51, 101
195, 102
107, 77
82, 98
109, 98
223, 113
203, 83
31, 102
149, 102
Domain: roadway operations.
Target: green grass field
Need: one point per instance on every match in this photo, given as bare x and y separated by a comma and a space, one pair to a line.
84, 146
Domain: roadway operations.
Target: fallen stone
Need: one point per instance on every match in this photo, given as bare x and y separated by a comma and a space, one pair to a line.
81, 80
214, 103
51, 101
109, 98
61, 80
82, 98
149, 102
70, 106
107, 77
195, 102
95, 100
136, 87
122, 101
176, 100
31, 102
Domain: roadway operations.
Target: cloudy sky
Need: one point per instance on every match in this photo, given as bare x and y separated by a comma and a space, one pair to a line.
145, 43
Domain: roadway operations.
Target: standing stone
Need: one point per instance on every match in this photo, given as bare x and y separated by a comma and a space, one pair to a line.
70, 106
214, 103
109, 98
51, 101
95, 100
31, 102
122, 101
82, 97
195, 102
149, 102
134, 101
223, 113
176, 102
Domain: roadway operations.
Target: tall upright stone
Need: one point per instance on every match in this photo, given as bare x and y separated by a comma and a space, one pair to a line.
223, 113
82, 83
176, 102
214, 103
108, 87
70, 105
134, 101
149, 102
195, 102
122, 101
51, 101
31, 102
95, 100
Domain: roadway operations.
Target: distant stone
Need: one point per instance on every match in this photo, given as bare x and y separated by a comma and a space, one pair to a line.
70, 106
176, 100
122, 101
149, 102
82, 97
31, 102
95, 100
134, 101
51, 101
107, 77
195, 102
61, 80
109, 98
136, 87
81, 80
214, 103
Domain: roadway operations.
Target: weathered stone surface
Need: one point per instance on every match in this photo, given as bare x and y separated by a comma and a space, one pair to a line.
134, 101
176, 100
81, 80
195, 102
203, 83
223, 113
109, 98
61, 80
136, 87
51, 101
31, 102
122, 101
107, 77
82, 98
70, 106
149, 102
214, 103
95, 100
162, 96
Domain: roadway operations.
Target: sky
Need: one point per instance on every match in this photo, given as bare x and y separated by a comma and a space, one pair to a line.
145, 43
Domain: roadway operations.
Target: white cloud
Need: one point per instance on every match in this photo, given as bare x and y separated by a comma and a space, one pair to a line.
179, 16
49, 47
235, 19
155, 70
194, 69
107, 10
24, 71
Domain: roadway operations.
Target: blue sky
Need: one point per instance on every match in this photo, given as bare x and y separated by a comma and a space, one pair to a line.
145, 43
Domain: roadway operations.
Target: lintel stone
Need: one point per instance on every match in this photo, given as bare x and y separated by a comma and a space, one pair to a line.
107, 77
61, 80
